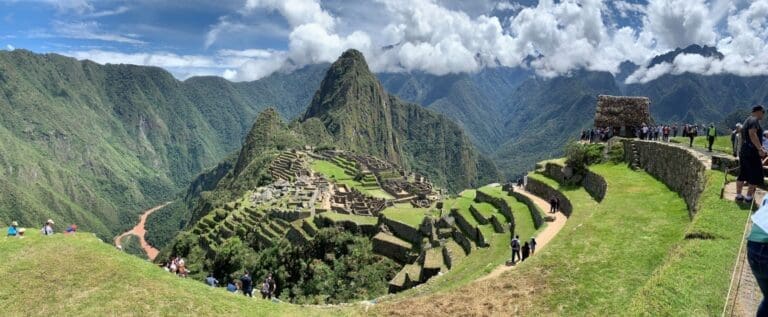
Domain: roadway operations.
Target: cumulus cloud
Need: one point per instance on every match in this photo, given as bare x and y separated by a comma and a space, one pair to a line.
679, 23
10, 47
550, 37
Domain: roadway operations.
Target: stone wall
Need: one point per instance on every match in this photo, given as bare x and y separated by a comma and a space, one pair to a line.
383, 246
464, 224
462, 240
497, 226
480, 239
447, 258
296, 237
554, 171
536, 212
545, 192
290, 216
403, 231
595, 185
478, 216
682, 170
499, 203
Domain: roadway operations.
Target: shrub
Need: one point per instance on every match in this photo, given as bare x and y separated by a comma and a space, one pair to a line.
579, 156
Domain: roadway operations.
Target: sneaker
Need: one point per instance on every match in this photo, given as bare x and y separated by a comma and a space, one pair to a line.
739, 198
748, 199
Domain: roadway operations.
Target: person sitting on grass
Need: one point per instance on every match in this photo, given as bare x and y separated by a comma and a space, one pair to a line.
48, 228
12, 230
71, 229
212, 281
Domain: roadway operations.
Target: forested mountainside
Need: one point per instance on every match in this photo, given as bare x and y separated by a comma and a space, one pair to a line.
95, 144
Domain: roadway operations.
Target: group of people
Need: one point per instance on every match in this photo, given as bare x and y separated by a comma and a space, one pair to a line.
522, 252
596, 135
246, 285
656, 133
176, 265
47, 230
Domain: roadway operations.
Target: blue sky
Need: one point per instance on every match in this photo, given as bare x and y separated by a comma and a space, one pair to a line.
249, 39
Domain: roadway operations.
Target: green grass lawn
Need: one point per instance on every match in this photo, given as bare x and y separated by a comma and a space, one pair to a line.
407, 214
722, 143
82, 276
608, 251
336, 173
695, 277
363, 220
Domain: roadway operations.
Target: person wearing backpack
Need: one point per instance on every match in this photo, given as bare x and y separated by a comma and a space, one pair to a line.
533, 245
515, 244
247, 284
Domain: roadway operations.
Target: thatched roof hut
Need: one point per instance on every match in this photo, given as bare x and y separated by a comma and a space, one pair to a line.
621, 112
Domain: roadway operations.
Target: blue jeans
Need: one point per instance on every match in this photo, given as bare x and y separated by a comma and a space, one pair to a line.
757, 255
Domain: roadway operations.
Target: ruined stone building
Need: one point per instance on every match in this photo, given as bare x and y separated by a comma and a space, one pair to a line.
623, 114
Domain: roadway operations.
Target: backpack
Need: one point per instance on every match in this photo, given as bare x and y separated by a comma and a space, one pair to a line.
515, 244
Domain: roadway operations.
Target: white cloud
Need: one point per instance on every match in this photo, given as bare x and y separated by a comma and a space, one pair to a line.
508, 6
679, 23
10, 47
296, 12
89, 30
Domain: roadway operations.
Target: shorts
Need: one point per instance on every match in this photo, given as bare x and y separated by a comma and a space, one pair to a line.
750, 167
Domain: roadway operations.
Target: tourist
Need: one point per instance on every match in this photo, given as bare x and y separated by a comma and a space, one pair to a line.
533, 245
272, 285
757, 255
552, 202
71, 229
231, 287
692, 133
247, 283
516, 249
182, 268
21, 232
711, 135
750, 165
526, 251
264, 289
765, 140
48, 228
674, 131
13, 231
736, 140
644, 132
211, 281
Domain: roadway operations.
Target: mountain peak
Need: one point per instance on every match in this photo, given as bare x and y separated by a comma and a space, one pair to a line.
669, 57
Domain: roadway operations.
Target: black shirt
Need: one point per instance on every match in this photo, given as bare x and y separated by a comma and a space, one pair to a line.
751, 123
247, 282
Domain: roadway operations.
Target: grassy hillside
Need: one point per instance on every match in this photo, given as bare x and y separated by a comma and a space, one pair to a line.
80, 275
625, 256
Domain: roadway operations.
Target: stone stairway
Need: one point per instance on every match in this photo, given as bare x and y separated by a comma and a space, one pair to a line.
634, 164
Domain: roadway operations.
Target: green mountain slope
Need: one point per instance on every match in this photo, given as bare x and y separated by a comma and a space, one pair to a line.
362, 117
95, 144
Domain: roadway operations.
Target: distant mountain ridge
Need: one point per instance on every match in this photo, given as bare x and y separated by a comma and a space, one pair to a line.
669, 57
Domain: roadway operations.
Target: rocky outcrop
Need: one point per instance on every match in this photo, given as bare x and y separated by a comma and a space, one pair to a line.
682, 170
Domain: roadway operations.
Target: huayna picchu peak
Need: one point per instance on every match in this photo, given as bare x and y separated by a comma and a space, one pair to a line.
362, 117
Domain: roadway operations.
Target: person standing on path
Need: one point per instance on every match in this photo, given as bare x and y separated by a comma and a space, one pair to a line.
533, 245
552, 205
247, 284
526, 251
711, 135
516, 249
750, 164
692, 133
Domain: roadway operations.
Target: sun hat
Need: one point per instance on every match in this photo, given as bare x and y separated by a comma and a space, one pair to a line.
50, 221
14, 224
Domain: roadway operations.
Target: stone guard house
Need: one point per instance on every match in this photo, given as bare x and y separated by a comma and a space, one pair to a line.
624, 114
